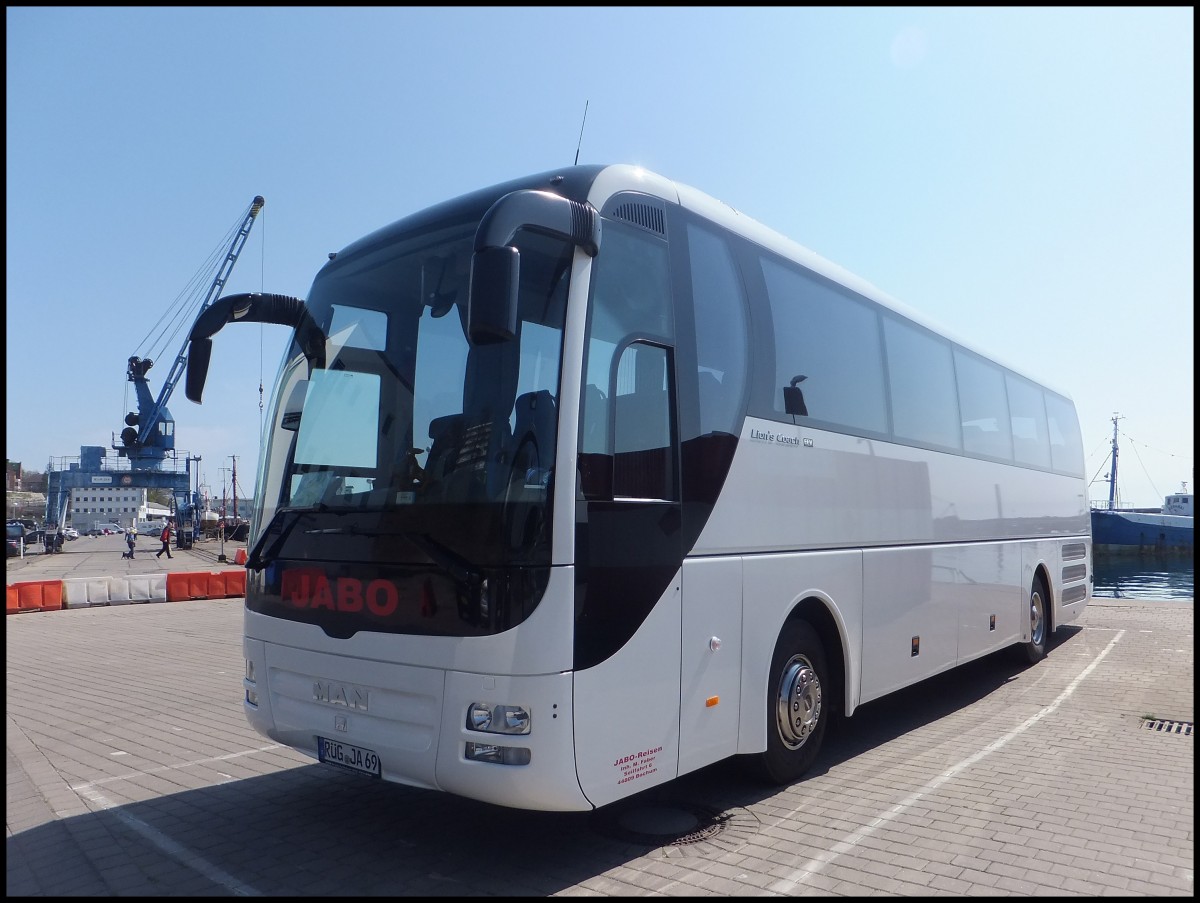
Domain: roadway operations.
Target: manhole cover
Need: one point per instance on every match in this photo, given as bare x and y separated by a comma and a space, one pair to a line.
669, 823
678, 828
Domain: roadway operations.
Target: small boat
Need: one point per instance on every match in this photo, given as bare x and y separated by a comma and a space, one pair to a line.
1166, 530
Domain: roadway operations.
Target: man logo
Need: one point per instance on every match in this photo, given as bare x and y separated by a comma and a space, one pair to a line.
340, 694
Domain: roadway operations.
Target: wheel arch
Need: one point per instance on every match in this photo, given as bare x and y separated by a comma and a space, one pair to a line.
820, 614
1053, 596
825, 591
811, 620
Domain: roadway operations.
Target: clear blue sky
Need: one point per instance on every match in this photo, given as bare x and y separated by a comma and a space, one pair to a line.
1025, 177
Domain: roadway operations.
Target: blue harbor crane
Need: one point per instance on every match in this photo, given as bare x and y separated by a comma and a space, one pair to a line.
148, 438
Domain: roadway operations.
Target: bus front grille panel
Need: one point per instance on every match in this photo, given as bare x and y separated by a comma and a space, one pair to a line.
355, 711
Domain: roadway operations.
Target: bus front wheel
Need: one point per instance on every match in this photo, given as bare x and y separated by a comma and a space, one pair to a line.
1039, 622
797, 710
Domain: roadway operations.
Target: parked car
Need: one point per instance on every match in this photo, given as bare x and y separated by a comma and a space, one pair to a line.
70, 533
14, 540
33, 533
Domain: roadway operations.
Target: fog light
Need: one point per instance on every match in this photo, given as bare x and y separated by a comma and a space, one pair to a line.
497, 719
250, 669
252, 698
497, 755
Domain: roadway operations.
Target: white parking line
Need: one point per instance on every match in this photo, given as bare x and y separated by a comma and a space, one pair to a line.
80, 788
176, 851
817, 864
171, 848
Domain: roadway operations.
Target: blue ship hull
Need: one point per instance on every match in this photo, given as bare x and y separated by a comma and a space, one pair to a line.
1137, 532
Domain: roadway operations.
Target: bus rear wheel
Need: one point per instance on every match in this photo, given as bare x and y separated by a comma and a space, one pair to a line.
797, 711
1039, 622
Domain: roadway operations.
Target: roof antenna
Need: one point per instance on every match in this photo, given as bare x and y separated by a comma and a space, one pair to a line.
581, 125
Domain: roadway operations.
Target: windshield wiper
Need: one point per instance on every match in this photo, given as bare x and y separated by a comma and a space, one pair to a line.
456, 566
260, 556
256, 559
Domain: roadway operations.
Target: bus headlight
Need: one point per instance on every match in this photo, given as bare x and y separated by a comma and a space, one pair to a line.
497, 719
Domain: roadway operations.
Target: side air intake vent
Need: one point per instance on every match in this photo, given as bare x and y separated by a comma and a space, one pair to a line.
638, 210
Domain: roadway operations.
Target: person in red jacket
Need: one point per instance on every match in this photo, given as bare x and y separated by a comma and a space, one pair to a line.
165, 536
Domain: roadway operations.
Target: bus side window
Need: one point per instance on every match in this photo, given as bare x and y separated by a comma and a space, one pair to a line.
721, 329
631, 297
642, 463
831, 338
1031, 441
595, 420
595, 454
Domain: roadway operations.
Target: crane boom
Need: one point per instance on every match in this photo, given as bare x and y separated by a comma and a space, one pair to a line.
149, 434
235, 250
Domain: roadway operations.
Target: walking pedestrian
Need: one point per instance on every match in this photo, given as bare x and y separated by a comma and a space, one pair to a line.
130, 540
165, 536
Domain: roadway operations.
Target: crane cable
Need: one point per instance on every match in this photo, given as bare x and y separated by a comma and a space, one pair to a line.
175, 318
184, 309
261, 287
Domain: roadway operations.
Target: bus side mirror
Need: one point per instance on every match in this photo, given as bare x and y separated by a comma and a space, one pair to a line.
246, 308
492, 306
199, 354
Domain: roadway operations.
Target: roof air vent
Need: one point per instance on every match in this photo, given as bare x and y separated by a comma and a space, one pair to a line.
639, 210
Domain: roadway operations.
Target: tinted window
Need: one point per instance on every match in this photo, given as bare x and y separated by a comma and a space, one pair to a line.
984, 406
1066, 445
643, 458
631, 298
831, 340
921, 377
720, 331
1031, 445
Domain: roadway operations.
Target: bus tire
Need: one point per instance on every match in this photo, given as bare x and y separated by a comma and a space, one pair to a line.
797, 712
1039, 622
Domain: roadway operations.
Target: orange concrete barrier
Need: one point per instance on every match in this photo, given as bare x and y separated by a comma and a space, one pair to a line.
179, 586
214, 585
235, 583
52, 600
12, 603
39, 595
208, 585
199, 585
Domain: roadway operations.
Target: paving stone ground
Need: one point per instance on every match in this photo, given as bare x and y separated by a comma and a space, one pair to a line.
131, 771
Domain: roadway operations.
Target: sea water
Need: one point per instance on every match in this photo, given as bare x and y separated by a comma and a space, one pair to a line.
1131, 577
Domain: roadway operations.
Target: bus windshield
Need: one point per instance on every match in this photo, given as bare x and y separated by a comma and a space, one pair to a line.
403, 429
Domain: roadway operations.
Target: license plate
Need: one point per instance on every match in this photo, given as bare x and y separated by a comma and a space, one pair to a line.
344, 755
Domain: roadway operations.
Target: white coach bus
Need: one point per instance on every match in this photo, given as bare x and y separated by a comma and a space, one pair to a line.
585, 481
